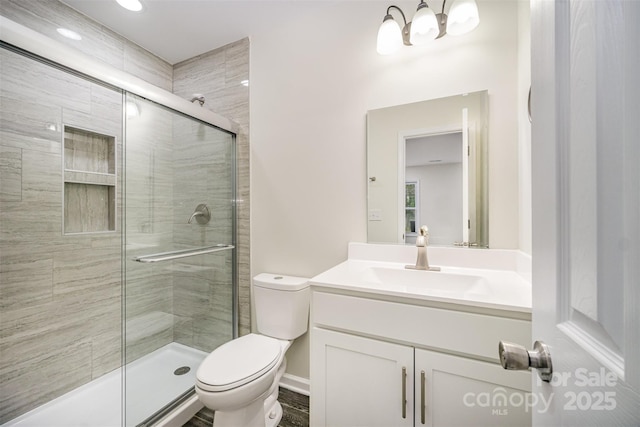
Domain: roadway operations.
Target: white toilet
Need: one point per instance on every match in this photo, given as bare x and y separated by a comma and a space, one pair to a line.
239, 380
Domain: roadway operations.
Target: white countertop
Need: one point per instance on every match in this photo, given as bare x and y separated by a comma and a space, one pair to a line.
501, 287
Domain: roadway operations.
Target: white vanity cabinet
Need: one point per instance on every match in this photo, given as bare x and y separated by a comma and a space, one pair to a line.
377, 362
459, 391
361, 382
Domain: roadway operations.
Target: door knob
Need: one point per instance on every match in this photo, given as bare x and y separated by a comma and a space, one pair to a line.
516, 357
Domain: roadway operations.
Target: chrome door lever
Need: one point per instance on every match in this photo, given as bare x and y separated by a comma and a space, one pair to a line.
516, 357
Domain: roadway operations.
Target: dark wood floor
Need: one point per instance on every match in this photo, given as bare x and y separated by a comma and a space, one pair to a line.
295, 408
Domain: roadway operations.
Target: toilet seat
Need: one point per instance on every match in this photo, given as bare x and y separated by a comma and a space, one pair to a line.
238, 362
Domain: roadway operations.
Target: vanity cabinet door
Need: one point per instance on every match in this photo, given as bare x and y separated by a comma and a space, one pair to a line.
462, 392
358, 381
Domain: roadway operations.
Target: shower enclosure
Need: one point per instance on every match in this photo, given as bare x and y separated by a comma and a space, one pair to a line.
117, 256
178, 267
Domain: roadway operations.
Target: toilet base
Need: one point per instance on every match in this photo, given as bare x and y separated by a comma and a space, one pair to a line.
260, 413
251, 415
273, 416
265, 411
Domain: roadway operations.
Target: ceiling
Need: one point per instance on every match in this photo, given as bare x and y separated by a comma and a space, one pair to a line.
176, 30
434, 149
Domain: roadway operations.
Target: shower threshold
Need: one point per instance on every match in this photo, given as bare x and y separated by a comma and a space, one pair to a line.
151, 384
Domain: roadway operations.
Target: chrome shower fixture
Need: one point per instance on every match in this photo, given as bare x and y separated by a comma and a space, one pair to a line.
202, 214
198, 97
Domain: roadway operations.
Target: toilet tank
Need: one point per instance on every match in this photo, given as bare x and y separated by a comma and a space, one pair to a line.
281, 305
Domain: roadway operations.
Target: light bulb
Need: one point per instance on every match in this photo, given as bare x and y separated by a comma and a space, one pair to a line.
463, 17
424, 27
389, 36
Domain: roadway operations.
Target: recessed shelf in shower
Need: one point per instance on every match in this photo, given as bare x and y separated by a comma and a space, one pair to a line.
89, 181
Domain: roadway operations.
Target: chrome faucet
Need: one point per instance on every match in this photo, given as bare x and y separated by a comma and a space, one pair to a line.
422, 263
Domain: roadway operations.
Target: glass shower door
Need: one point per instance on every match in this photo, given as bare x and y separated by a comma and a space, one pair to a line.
179, 263
60, 245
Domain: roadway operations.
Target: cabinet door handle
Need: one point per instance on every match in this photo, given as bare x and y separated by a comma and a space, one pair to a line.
404, 392
423, 405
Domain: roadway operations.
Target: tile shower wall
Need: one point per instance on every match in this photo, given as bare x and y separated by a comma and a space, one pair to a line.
202, 291
45, 16
219, 76
174, 164
149, 228
60, 294
93, 291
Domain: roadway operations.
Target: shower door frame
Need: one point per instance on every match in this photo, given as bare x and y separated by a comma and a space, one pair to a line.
186, 397
36, 46
39, 45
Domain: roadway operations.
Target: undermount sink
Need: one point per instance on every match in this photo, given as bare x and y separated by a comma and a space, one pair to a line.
437, 282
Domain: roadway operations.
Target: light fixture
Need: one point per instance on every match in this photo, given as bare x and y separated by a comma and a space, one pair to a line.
427, 25
132, 5
389, 35
424, 27
463, 17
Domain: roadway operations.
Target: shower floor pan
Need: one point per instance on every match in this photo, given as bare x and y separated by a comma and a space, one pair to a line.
151, 384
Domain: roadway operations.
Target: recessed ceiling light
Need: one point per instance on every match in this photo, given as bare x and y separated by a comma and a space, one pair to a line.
69, 34
132, 5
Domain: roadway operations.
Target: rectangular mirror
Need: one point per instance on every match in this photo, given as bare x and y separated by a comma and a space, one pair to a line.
427, 165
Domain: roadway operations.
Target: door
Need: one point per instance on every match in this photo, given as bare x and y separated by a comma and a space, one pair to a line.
362, 382
455, 391
440, 160
586, 253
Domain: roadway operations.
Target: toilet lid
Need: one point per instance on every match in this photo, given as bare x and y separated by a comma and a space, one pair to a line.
238, 362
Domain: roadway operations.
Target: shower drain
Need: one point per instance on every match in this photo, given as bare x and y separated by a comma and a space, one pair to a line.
181, 370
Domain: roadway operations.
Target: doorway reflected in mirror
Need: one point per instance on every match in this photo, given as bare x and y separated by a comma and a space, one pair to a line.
430, 163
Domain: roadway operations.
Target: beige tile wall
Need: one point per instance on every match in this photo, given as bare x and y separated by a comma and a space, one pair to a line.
149, 228
59, 307
64, 323
218, 75
45, 16
202, 291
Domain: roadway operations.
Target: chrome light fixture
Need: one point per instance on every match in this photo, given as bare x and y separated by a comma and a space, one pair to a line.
427, 25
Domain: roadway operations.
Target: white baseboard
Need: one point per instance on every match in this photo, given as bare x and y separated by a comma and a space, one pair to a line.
294, 383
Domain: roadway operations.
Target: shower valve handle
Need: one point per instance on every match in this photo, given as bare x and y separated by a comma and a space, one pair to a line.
201, 214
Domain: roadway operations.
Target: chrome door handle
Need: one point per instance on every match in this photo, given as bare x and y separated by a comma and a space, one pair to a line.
516, 357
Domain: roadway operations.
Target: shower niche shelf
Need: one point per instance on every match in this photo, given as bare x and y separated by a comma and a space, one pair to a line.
89, 181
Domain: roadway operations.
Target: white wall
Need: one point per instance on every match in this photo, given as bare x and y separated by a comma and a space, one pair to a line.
440, 204
524, 83
313, 80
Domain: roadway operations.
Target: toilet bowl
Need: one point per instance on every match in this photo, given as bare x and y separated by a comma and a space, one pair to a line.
239, 380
